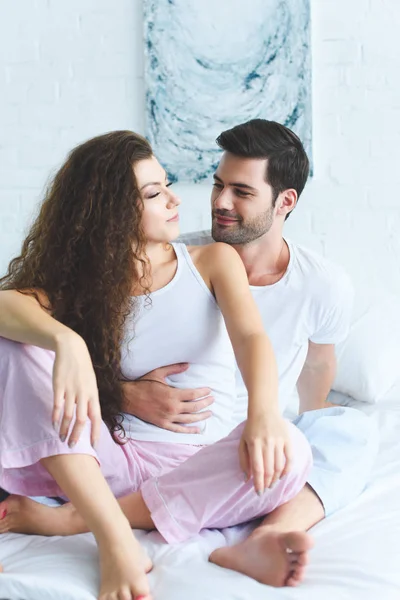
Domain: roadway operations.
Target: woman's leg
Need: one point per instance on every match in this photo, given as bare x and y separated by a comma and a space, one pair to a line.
206, 490
33, 460
209, 490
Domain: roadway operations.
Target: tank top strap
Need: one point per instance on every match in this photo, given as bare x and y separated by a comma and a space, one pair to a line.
183, 254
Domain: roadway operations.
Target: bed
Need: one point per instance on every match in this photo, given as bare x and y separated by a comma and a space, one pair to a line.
356, 554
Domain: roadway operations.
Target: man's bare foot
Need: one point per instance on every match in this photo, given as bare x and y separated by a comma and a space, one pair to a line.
23, 515
268, 556
123, 569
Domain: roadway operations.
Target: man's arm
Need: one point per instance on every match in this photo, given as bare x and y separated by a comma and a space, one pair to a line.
316, 378
151, 399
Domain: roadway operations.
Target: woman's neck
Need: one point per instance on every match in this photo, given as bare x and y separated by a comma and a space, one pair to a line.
160, 261
159, 253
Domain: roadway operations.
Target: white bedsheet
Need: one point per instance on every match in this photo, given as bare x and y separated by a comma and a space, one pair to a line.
356, 554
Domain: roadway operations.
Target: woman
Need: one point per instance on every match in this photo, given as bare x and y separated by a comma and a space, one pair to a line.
100, 294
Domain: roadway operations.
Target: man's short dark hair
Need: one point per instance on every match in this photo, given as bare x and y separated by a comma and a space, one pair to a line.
287, 162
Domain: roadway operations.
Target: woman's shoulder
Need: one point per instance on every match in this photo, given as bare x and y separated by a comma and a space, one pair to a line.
216, 251
213, 259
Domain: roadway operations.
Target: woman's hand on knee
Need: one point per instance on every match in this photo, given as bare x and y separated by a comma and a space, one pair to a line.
265, 450
75, 390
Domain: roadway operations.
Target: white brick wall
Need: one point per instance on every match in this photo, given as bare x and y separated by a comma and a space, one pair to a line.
70, 70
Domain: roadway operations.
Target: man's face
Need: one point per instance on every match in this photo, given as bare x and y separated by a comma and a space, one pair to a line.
241, 200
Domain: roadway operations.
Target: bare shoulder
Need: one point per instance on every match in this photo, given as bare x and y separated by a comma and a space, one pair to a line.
218, 252
217, 262
39, 296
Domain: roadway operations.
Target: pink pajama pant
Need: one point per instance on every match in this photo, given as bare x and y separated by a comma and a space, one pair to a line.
186, 488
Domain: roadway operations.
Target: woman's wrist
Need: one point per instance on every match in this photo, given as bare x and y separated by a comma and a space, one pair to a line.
66, 337
262, 410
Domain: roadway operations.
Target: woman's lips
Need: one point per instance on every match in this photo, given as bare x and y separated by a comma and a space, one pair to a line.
174, 219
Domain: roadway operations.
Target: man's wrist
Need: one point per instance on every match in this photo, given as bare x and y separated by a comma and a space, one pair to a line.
128, 397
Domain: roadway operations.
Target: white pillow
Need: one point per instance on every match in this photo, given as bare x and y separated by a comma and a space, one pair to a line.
369, 358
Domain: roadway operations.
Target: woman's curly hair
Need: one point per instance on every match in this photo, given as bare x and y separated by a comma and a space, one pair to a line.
83, 251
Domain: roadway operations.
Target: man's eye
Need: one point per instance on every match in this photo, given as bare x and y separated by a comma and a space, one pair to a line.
218, 186
241, 193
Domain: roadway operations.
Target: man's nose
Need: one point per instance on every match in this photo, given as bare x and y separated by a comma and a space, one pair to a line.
223, 201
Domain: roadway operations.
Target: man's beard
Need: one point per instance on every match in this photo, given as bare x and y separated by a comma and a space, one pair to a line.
243, 232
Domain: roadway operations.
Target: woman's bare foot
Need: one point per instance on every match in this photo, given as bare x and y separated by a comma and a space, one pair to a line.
23, 515
123, 564
123, 567
268, 556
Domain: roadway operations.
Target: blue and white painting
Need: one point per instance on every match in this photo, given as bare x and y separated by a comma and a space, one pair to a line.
212, 64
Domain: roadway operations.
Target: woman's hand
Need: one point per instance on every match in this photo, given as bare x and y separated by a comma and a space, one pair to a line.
74, 383
265, 450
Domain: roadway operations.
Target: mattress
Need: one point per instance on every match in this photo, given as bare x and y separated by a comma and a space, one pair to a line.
356, 554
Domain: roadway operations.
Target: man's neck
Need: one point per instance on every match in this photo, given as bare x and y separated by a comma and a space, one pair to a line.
265, 259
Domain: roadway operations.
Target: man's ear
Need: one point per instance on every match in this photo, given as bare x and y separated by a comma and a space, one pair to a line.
286, 202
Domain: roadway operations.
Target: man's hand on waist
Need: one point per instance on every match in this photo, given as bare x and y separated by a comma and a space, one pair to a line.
151, 399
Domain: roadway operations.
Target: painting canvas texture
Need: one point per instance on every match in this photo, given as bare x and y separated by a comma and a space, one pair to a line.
212, 64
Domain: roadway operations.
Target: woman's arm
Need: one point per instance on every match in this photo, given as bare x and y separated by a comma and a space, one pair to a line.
266, 440
24, 320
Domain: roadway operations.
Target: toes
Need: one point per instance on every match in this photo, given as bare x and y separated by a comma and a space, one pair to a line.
3, 510
125, 594
297, 541
5, 525
302, 559
295, 577
293, 557
140, 596
298, 558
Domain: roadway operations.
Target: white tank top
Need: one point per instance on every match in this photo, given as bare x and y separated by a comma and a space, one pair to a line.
181, 322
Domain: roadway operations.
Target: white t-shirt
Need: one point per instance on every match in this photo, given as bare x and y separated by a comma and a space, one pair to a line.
312, 302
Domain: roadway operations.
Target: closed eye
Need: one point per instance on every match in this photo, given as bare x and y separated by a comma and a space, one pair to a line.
241, 193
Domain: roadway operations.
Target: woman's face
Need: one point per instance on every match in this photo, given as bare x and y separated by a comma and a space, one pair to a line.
160, 217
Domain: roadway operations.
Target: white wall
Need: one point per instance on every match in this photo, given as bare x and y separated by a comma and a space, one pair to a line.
73, 69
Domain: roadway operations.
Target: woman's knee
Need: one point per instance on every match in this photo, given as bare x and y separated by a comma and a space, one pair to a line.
301, 450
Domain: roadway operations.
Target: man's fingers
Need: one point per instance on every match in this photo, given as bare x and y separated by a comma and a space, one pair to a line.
195, 406
194, 418
162, 372
191, 395
180, 428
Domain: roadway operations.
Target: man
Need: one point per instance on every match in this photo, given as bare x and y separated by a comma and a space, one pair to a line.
305, 302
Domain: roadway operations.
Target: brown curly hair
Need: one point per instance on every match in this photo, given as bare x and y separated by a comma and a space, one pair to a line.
83, 251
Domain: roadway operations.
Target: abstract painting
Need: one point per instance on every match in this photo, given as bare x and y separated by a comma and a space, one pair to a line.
212, 64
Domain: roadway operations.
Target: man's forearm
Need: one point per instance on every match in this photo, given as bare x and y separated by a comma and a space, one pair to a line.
314, 385
128, 404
